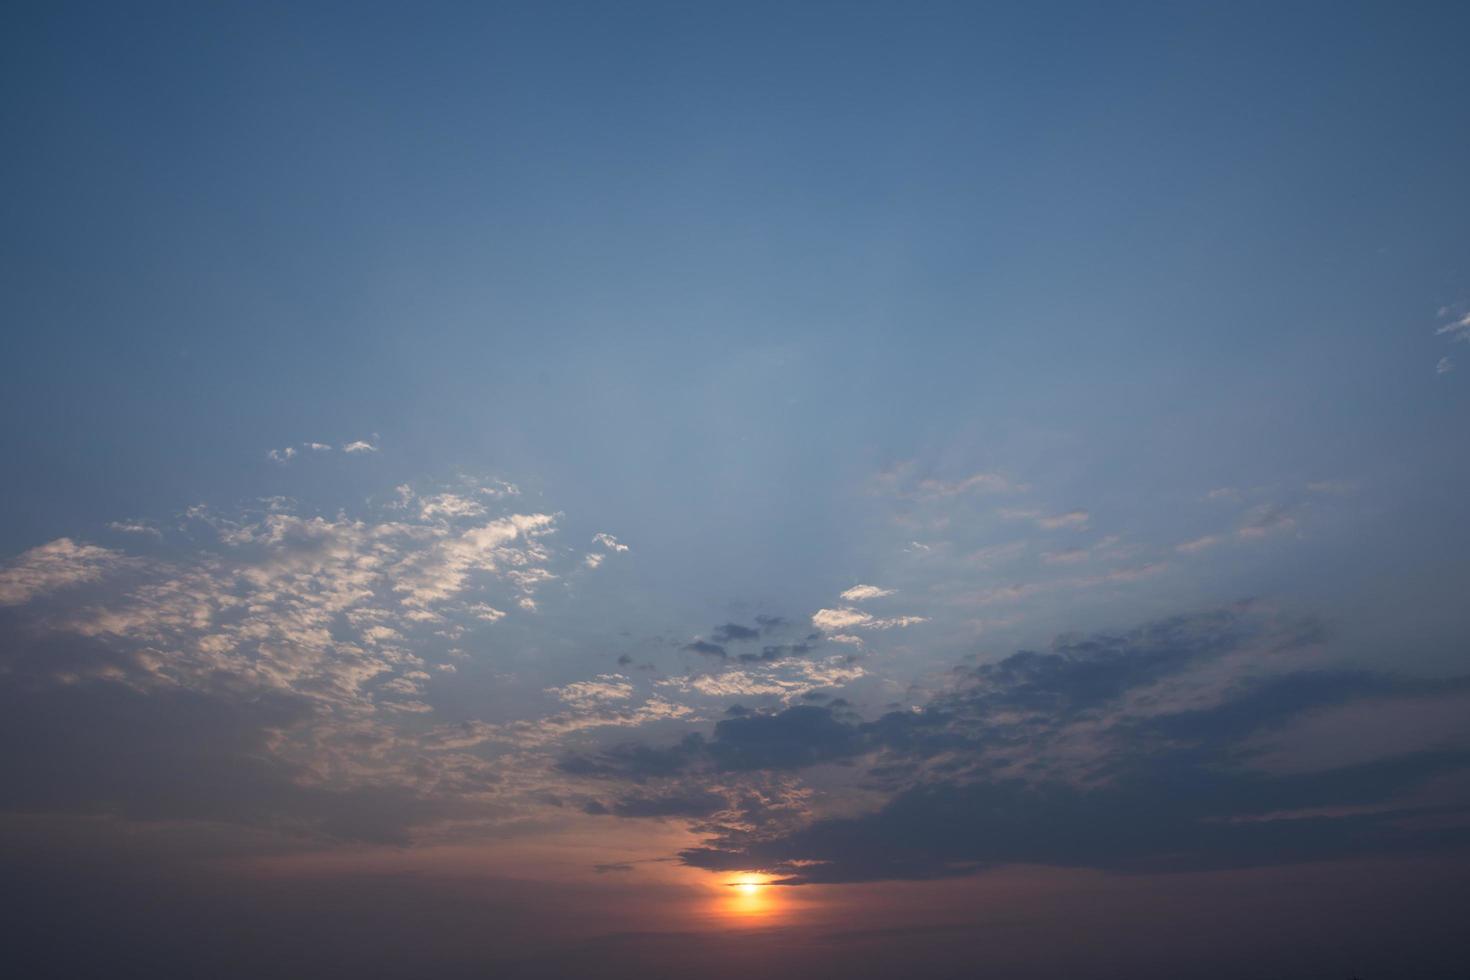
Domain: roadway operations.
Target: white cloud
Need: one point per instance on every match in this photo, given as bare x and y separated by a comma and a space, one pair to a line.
359, 447
449, 505
281, 455
1445, 366
317, 447
50, 567
840, 619
488, 613
590, 694
608, 541
859, 593
135, 527
442, 567
1456, 329
592, 559
787, 680
847, 618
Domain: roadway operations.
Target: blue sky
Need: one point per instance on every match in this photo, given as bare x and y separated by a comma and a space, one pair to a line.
376, 375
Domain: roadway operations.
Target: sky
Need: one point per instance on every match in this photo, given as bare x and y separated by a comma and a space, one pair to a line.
852, 489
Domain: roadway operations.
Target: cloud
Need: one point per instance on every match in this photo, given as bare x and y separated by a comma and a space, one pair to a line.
1076, 757
1198, 544
281, 455
704, 647
589, 694
840, 619
777, 677
978, 482
609, 542
1114, 751
61, 564
135, 527
734, 632
449, 506
996, 554
1444, 366
359, 447
1048, 522
1456, 329
326, 637
1265, 520
861, 593
847, 618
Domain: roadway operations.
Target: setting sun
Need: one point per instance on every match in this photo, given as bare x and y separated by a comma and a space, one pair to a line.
749, 896
749, 884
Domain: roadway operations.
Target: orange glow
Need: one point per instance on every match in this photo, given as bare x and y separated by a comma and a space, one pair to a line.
749, 897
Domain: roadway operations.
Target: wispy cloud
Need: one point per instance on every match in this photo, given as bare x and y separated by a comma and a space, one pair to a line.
975, 483
860, 593
1048, 522
1265, 520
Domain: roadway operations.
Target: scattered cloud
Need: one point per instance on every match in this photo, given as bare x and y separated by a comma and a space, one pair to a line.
360, 446
590, 694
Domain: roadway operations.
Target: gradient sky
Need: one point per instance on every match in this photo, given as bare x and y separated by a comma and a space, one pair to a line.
699, 489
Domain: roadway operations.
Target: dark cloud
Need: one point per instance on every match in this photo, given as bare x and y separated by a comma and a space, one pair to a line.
734, 632
704, 647
679, 803
777, 652
1114, 751
106, 749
